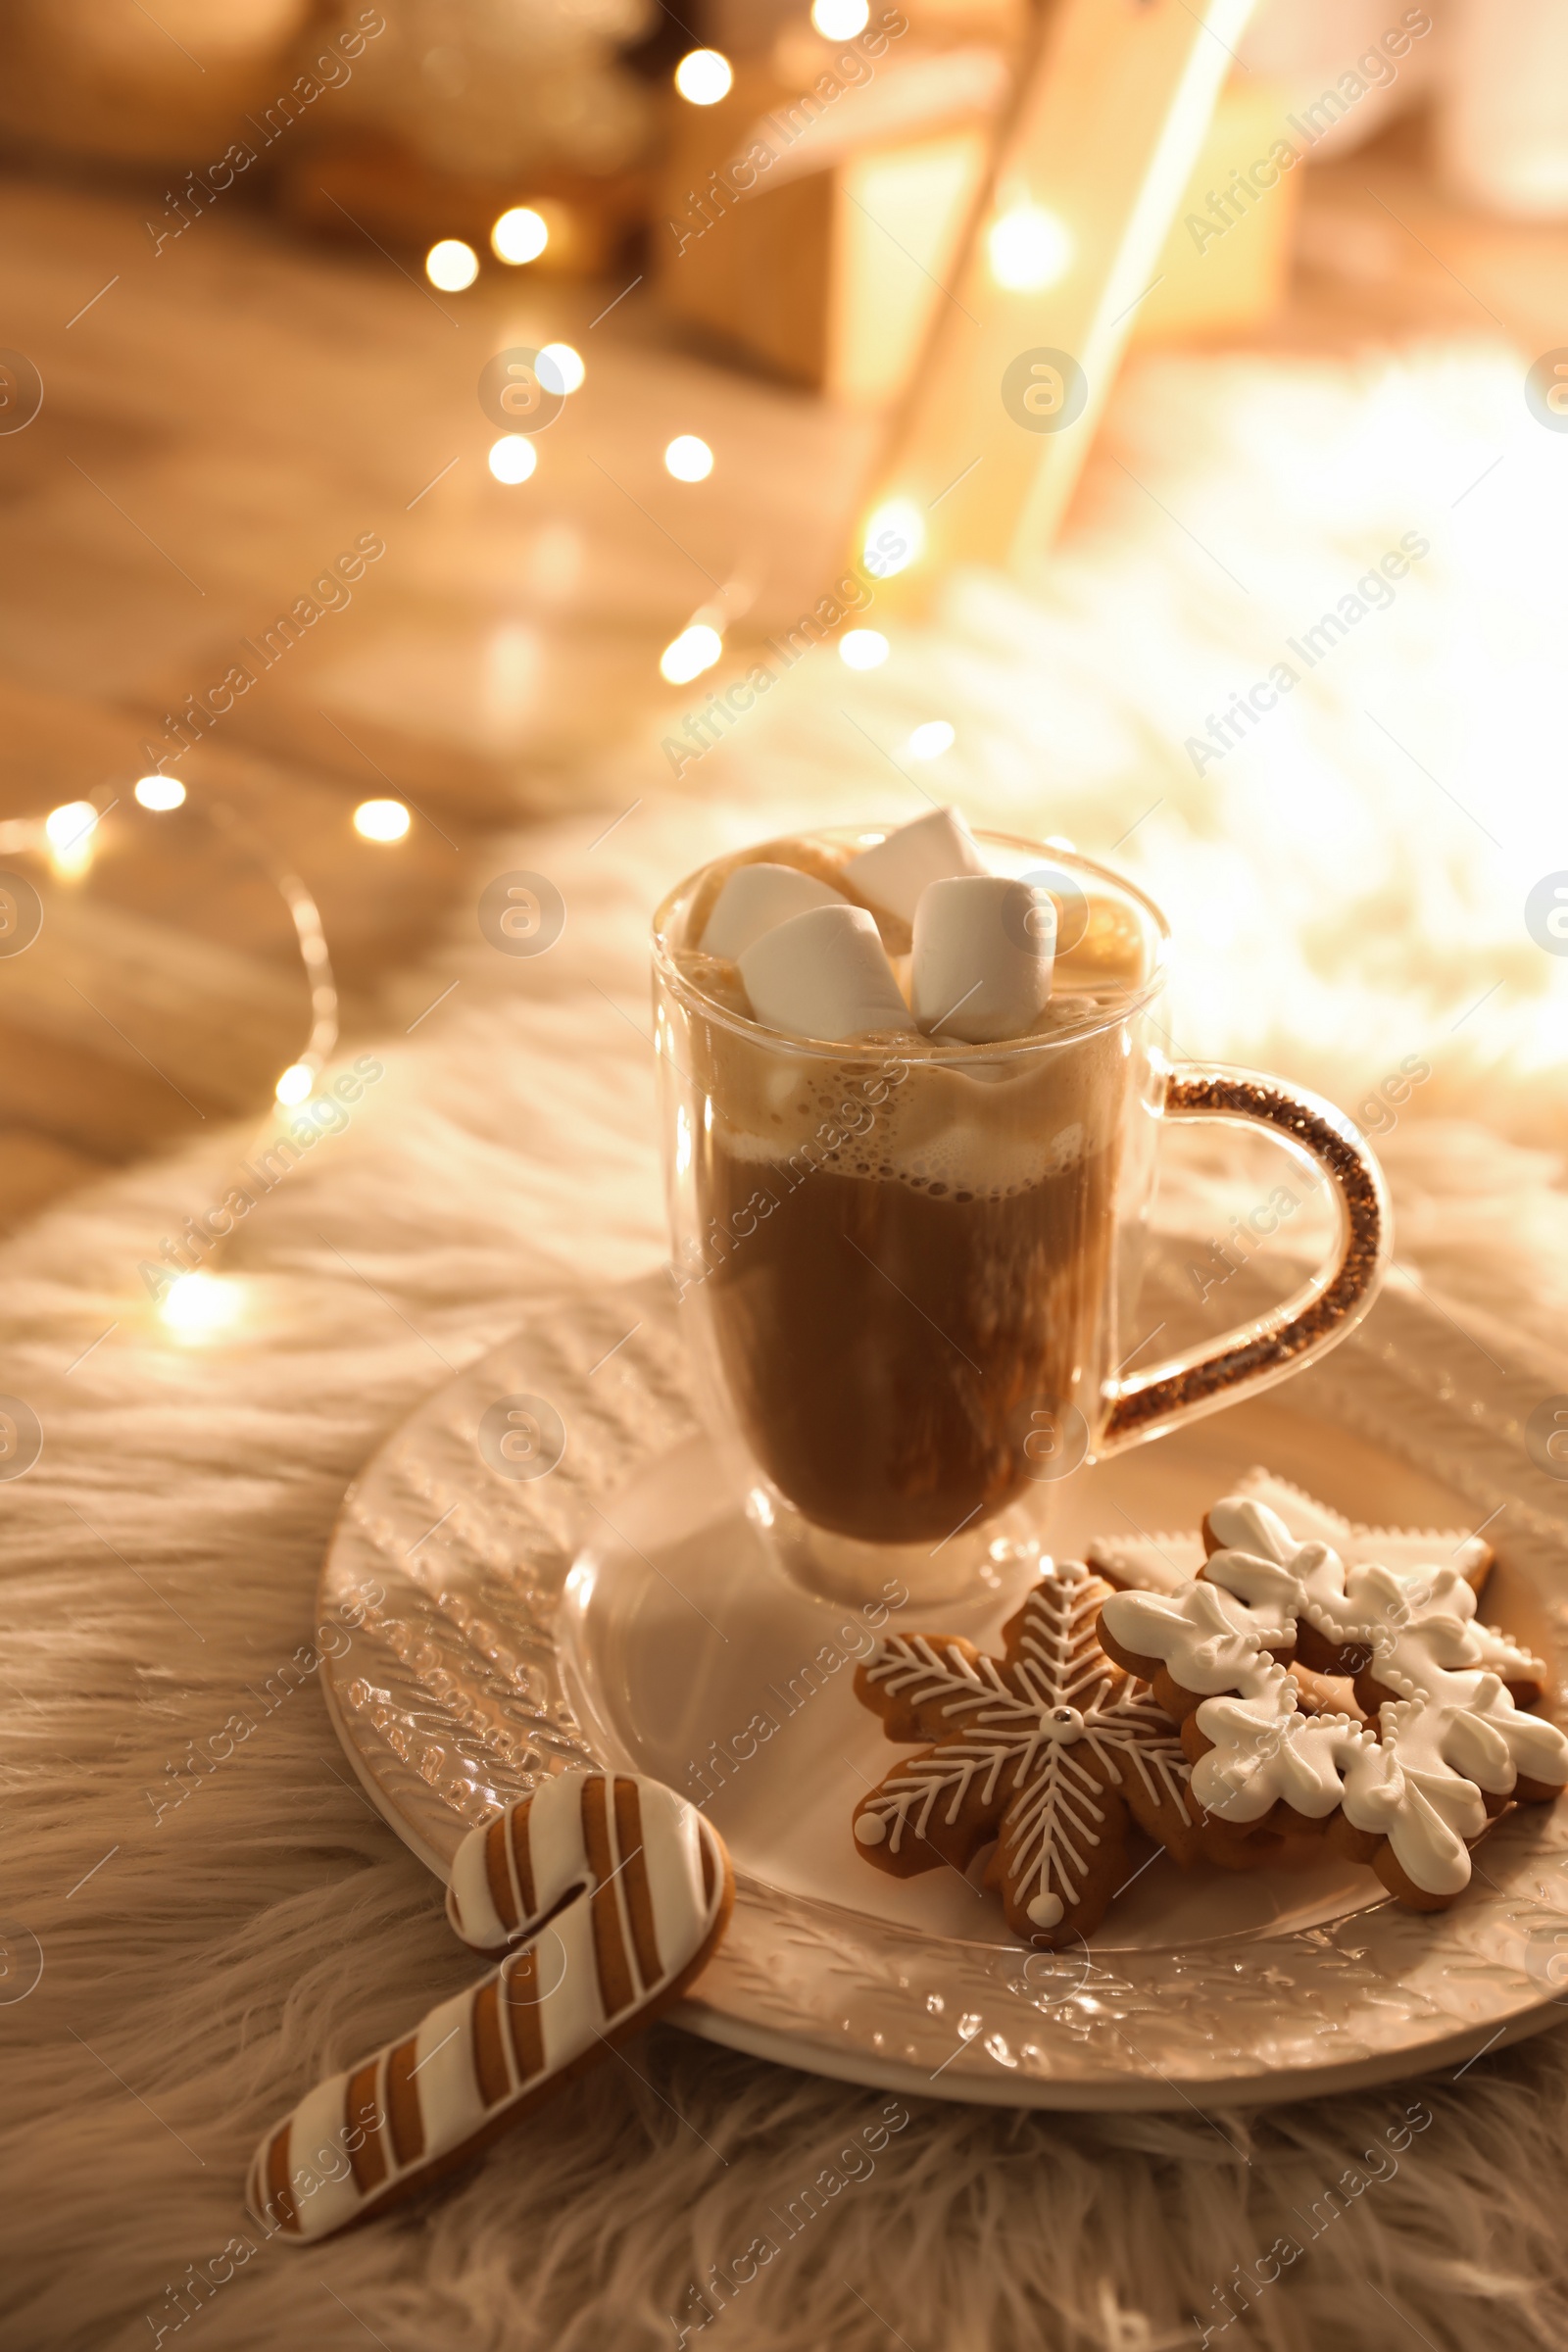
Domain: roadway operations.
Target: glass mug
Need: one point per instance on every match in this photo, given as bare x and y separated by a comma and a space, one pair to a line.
908, 1276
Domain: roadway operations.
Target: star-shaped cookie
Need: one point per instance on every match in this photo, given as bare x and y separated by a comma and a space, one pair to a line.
1049, 1750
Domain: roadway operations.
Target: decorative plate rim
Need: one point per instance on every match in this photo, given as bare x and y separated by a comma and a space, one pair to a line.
448, 1699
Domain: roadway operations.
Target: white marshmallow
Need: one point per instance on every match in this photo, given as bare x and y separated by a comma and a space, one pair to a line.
931, 850
984, 951
759, 898
823, 974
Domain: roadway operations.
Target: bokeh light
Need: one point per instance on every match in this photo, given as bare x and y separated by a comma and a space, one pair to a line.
695, 650
1028, 249
931, 740
69, 825
703, 76
381, 820
567, 364
160, 792
512, 458
70, 831
840, 19
688, 458
451, 264
895, 538
863, 649
198, 1305
520, 235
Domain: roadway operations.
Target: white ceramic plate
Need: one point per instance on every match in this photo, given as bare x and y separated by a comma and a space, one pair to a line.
619, 1610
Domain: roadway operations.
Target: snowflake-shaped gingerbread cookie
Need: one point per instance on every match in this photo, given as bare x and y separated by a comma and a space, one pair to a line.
1050, 1751
1450, 1741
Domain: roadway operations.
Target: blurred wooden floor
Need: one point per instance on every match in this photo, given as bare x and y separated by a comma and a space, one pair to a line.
223, 418
226, 418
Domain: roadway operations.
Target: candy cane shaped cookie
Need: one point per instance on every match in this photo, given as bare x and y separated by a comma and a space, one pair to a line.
579, 1829
612, 1893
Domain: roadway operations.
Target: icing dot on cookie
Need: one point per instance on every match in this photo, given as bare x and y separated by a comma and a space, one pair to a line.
870, 1829
1046, 1910
1062, 1725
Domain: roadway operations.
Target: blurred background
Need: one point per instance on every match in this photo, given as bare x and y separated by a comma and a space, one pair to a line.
411, 417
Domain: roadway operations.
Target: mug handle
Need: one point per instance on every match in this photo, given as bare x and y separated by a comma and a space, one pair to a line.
1318, 1315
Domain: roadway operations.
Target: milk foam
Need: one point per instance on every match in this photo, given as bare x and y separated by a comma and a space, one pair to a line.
986, 1127
935, 1128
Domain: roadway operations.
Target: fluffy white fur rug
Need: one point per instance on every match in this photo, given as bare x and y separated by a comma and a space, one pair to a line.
204, 1961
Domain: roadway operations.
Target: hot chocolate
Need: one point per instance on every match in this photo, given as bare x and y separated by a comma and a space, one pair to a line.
891, 1345
907, 1251
911, 1105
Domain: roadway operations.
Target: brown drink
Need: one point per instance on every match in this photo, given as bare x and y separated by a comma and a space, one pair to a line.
907, 1257
892, 1344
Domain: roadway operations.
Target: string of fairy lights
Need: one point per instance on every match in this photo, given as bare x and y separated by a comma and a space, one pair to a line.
200, 1303
67, 838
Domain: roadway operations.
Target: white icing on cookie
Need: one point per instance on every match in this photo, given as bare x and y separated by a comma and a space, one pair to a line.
543, 1854
321, 2179
449, 2088
1206, 1639
471, 1911
673, 1833
1265, 1750
1167, 1561
1262, 1563
1453, 1732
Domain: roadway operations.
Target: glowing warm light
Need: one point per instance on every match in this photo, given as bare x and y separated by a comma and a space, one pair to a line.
296, 1083
520, 235
863, 648
70, 830
703, 76
567, 364
381, 820
512, 458
894, 537
695, 650
452, 265
1028, 249
68, 827
688, 458
840, 19
160, 792
930, 741
198, 1304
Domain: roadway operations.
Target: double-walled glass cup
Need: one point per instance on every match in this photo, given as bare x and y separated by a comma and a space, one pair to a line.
909, 1269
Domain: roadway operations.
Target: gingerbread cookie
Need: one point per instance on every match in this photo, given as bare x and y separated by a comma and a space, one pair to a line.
1050, 1751
1451, 1746
1167, 1563
612, 1893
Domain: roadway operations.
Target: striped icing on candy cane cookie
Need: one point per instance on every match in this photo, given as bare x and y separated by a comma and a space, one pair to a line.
612, 1893
508, 1877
